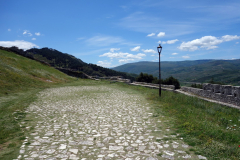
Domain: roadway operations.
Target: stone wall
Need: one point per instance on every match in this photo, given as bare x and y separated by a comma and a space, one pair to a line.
223, 93
172, 87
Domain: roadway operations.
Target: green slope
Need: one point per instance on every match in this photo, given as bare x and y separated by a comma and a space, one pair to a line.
226, 71
18, 73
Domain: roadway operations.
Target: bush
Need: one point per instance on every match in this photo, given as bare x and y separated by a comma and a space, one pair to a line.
171, 81
144, 77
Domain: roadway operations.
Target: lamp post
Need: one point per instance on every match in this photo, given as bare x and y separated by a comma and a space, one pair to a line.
159, 48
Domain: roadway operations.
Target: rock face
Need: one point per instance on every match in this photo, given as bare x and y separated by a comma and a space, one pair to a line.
223, 93
96, 122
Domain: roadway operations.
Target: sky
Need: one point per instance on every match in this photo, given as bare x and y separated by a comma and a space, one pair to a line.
110, 33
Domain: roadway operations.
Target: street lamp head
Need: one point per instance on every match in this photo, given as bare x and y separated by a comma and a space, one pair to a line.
159, 48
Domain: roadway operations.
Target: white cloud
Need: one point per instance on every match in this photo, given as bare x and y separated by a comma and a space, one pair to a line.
207, 42
38, 34
169, 41
104, 40
104, 63
114, 55
151, 34
161, 34
230, 38
20, 44
237, 42
123, 55
185, 57
26, 32
33, 39
174, 53
125, 60
135, 48
114, 49
9, 29
149, 51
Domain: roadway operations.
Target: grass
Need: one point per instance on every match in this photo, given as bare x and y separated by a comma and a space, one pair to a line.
211, 129
19, 74
20, 80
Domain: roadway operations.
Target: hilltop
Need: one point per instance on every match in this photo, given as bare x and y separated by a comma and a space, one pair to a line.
18, 73
226, 71
58, 59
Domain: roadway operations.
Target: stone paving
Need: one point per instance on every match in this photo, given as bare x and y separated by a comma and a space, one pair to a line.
99, 123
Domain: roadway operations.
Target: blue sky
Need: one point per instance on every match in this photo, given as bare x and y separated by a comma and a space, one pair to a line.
110, 33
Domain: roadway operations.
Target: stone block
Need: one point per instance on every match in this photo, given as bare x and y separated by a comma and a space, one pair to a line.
207, 86
226, 90
216, 88
236, 92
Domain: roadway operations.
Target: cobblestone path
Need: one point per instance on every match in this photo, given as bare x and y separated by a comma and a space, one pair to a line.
96, 122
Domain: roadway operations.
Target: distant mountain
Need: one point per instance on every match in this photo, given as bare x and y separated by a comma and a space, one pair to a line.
226, 71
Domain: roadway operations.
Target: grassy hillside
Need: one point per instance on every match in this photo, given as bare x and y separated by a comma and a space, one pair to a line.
226, 71
18, 73
20, 80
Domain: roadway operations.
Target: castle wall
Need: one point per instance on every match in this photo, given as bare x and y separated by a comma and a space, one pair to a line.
172, 87
223, 93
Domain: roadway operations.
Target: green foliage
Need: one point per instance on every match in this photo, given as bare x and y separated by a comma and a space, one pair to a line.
171, 81
197, 86
144, 77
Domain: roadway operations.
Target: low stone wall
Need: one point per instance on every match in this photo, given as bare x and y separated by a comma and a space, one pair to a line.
223, 93
172, 87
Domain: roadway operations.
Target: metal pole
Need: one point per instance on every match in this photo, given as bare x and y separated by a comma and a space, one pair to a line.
159, 77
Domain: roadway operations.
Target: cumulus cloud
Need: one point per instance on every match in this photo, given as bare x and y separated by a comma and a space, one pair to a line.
123, 56
149, 51
26, 32
135, 48
38, 34
104, 63
20, 44
9, 29
125, 60
206, 42
169, 41
33, 39
114, 55
185, 57
174, 53
151, 34
114, 49
161, 34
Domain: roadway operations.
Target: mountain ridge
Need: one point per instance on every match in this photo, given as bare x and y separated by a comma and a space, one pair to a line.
226, 71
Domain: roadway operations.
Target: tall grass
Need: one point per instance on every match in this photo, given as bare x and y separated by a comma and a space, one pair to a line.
213, 130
